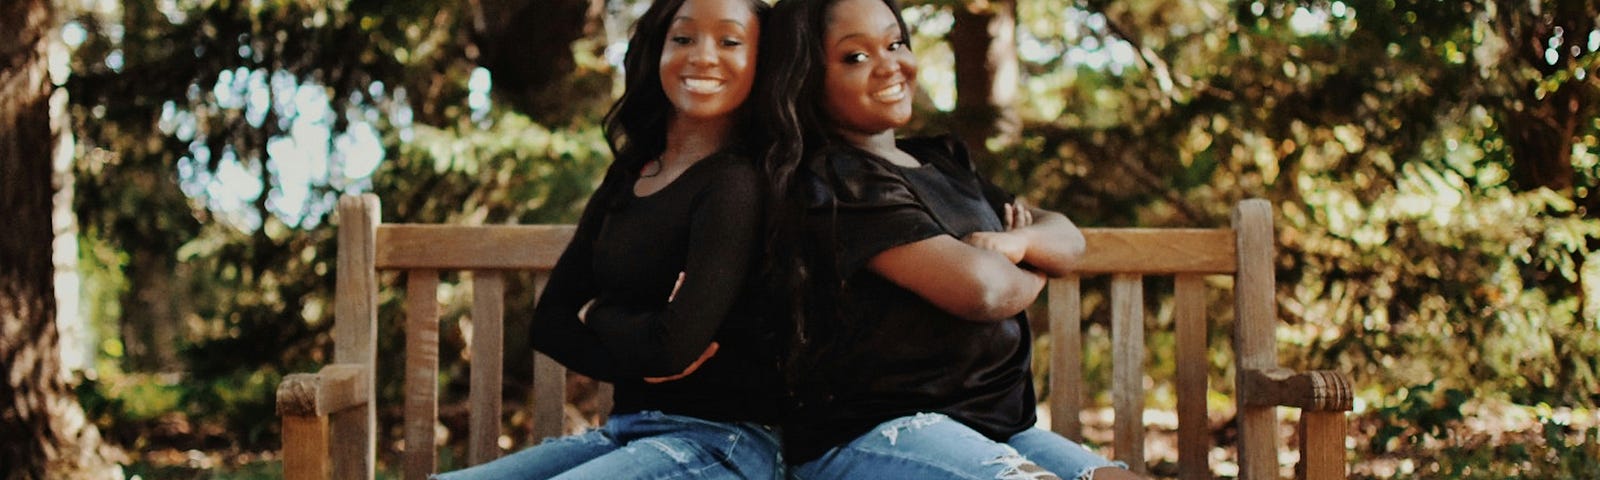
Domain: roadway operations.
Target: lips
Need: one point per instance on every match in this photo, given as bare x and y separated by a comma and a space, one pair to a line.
703, 85
893, 93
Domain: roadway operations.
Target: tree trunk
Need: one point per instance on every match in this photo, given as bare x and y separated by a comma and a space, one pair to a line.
45, 432
984, 41
1541, 129
149, 319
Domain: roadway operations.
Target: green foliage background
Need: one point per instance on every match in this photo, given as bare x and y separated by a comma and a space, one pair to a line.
1432, 164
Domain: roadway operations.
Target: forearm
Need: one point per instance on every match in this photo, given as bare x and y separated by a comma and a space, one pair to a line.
642, 344
561, 336
966, 281
1054, 243
1006, 289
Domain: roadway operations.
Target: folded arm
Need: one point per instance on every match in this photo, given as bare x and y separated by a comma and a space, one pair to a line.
1054, 243
966, 281
722, 240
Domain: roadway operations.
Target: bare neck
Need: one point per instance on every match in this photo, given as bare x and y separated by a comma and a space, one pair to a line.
881, 144
689, 140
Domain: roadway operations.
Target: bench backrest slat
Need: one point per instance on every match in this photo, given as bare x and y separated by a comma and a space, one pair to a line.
1066, 357
488, 340
1127, 368
549, 386
422, 371
1189, 317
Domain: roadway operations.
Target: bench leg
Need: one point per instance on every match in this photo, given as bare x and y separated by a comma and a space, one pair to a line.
1321, 446
305, 447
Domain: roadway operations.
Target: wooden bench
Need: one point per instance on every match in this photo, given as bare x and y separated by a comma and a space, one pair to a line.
329, 422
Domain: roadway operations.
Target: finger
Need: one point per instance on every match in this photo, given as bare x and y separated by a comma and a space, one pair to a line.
583, 312
710, 351
1011, 217
1027, 215
675, 287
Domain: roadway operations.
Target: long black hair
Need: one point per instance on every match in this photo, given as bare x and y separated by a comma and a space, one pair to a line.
800, 268
636, 126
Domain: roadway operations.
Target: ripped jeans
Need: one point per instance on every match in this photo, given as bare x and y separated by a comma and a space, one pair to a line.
931, 445
644, 445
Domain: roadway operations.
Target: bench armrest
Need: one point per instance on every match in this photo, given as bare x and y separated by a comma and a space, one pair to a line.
1317, 390
336, 387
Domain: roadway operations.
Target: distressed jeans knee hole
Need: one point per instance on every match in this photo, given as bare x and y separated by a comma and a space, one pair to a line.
1014, 467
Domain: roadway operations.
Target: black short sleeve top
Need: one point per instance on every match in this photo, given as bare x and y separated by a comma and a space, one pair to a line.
910, 356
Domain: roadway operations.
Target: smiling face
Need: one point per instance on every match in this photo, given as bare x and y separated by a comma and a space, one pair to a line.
708, 62
870, 72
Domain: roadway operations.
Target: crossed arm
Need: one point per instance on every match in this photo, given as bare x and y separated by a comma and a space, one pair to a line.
987, 276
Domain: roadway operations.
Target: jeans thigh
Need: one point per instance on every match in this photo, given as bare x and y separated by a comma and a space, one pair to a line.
925, 445
662, 446
542, 461
1058, 454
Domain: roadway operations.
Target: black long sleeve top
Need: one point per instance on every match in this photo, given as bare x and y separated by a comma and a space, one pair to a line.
626, 255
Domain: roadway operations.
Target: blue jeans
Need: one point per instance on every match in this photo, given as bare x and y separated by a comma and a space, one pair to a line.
644, 445
931, 445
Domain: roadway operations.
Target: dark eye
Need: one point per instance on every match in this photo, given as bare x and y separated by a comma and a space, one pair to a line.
680, 40
855, 57
898, 44
731, 42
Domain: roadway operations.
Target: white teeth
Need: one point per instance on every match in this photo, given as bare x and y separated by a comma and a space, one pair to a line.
700, 85
892, 93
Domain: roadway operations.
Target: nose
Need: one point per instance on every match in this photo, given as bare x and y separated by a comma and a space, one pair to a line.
887, 65
704, 53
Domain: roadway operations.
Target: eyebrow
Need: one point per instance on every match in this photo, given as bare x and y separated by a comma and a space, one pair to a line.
682, 19
891, 26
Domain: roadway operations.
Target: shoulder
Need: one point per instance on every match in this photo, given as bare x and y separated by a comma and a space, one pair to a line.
730, 174
731, 165
944, 150
848, 177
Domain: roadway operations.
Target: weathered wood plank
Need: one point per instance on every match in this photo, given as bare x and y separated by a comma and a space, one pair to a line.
422, 372
1255, 335
488, 341
305, 447
1127, 368
336, 388
1066, 357
1317, 390
549, 398
1194, 439
1152, 251
461, 247
549, 387
355, 334
1322, 450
